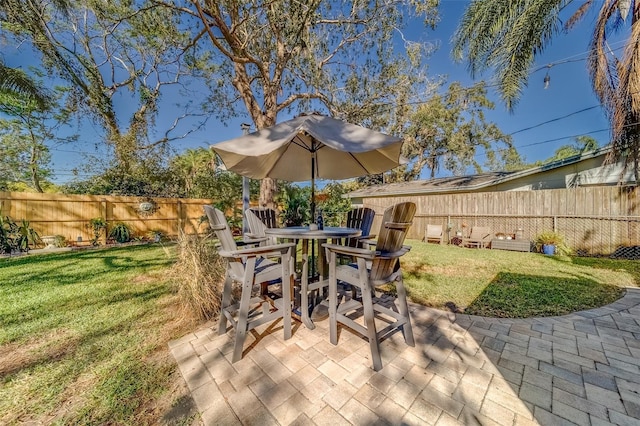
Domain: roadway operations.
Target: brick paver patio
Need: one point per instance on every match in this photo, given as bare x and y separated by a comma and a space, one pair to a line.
582, 368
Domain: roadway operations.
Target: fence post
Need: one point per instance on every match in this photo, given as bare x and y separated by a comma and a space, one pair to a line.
555, 223
104, 212
180, 217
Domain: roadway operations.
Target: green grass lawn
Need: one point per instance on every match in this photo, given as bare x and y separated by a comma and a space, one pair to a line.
512, 284
83, 337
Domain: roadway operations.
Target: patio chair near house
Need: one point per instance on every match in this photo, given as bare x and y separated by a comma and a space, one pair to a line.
479, 237
433, 233
363, 316
251, 266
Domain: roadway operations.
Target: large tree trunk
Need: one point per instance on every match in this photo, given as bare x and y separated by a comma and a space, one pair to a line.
35, 178
268, 191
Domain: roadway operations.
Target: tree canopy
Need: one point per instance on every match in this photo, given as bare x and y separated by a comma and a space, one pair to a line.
269, 58
448, 130
506, 37
118, 58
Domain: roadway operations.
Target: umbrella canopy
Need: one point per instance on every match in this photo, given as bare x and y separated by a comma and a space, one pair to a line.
340, 150
310, 147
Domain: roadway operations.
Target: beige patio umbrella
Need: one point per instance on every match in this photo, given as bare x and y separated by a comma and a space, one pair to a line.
309, 147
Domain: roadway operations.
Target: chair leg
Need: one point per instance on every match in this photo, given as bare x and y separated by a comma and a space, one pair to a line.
226, 301
333, 300
287, 289
243, 312
404, 311
369, 321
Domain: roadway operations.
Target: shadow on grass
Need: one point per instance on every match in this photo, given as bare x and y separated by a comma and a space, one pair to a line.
513, 295
76, 267
87, 281
632, 267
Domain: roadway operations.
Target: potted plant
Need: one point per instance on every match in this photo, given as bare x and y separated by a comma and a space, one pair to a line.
550, 243
97, 225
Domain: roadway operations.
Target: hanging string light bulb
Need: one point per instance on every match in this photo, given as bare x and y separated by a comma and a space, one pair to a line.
547, 78
623, 8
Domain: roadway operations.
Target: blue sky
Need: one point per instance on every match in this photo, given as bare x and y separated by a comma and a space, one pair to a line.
568, 93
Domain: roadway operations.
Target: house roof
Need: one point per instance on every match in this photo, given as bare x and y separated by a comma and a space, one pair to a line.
467, 183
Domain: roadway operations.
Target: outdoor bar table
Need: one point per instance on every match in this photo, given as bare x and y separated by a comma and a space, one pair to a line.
305, 234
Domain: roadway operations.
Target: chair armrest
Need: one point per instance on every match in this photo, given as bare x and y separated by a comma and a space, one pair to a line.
350, 251
393, 255
252, 239
266, 251
370, 242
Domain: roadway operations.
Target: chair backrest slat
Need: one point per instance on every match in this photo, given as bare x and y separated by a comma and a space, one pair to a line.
479, 232
434, 231
220, 226
395, 223
267, 216
259, 220
360, 218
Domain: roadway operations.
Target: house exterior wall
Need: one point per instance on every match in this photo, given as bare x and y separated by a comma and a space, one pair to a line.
589, 172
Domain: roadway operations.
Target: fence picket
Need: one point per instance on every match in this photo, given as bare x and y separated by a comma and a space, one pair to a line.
594, 220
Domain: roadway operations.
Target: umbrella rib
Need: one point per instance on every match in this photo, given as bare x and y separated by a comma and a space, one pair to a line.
301, 145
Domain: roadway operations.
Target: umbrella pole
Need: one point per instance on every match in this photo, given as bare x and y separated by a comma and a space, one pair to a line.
313, 209
313, 188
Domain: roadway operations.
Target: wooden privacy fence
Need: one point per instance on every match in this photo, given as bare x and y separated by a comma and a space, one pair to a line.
594, 220
69, 215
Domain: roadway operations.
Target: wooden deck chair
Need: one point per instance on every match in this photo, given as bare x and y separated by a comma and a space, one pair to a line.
360, 218
433, 233
479, 237
268, 216
385, 269
259, 220
250, 266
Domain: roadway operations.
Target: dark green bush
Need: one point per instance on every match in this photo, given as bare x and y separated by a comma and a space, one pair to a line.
121, 232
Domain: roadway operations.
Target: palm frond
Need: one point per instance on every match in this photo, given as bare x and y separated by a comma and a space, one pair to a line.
506, 36
17, 83
629, 74
578, 14
603, 67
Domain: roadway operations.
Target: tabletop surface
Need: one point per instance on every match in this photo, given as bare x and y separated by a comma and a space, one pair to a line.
304, 232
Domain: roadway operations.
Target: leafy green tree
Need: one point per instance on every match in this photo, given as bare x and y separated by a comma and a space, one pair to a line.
190, 165
506, 36
199, 173
25, 136
448, 130
149, 178
276, 57
112, 54
581, 144
334, 206
295, 204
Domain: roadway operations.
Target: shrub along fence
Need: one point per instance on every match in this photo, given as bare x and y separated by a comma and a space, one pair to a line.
593, 220
70, 215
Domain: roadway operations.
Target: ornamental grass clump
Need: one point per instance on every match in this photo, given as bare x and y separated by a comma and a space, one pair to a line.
552, 238
199, 274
